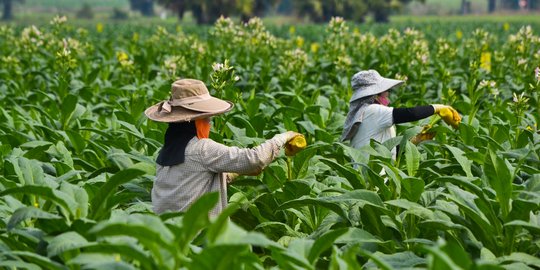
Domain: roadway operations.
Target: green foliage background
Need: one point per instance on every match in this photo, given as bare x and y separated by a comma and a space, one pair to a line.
78, 154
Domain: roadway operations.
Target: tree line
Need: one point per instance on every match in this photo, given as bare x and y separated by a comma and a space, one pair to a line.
207, 11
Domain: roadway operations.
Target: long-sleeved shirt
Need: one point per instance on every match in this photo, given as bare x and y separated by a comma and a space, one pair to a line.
378, 123
206, 161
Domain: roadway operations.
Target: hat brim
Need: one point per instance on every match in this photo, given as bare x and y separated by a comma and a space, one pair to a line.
384, 85
183, 114
211, 105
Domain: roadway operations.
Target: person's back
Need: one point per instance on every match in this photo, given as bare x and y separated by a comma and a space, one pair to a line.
191, 164
370, 117
377, 124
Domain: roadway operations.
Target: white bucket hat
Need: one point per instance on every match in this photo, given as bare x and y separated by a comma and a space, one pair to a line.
189, 100
366, 83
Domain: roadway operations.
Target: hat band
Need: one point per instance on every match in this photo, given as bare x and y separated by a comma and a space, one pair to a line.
167, 105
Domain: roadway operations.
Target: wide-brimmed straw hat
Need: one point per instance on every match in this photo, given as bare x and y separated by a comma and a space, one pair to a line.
189, 100
366, 83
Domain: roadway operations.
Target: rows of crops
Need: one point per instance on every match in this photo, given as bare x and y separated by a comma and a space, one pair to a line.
78, 154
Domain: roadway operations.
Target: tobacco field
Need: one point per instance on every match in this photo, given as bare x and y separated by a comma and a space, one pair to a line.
78, 154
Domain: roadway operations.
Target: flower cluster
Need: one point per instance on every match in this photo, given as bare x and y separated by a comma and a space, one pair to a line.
491, 86
223, 79
293, 62
174, 64
123, 59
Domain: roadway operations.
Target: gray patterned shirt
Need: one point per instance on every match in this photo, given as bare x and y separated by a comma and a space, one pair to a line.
206, 161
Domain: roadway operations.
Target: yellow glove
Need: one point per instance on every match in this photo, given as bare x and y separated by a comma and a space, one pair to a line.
448, 114
295, 144
229, 177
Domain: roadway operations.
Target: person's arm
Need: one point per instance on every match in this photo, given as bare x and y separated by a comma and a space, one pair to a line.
221, 158
403, 115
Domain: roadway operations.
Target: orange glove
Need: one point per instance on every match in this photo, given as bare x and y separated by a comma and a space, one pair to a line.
448, 114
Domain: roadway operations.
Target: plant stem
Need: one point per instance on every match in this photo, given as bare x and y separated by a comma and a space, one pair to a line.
289, 168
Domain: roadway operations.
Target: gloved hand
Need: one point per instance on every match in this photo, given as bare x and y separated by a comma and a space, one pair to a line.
448, 114
295, 143
424, 135
230, 176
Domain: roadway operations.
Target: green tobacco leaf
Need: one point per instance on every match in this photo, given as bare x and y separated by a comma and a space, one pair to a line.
299, 249
302, 159
64, 242
521, 257
357, 236
42, 261
317, 202
28, 212
480, 226
361, 197
98, 203
220, 224
79, 195
56, 196
462, 159
530, 226
8, 264
352, 175
457, 253
130, 128
28, 171
196, 218
412, 158
105, 265
412, 188
499, 173
68, 107
399, 260
323, 243
233, 234
126, 250
225, 257
149, 230
412, 207
77, 141
438, 259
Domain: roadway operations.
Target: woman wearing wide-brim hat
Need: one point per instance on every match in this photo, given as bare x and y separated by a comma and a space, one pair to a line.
189, 163
370, 117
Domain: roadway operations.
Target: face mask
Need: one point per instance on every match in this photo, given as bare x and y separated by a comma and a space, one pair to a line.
383, 100
203, 128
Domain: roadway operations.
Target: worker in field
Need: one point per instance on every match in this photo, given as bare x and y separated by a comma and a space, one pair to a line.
371, 117
189, 163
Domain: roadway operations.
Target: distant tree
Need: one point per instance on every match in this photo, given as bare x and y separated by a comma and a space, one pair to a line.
534, 4
509, 4
382, 9
254, 8
119, 14
355, 10
85, 12
178, 6
146, 7
323, 10
7, 8
309, 8
208, 11
491, 5
204, 11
